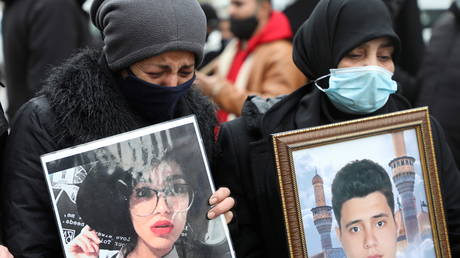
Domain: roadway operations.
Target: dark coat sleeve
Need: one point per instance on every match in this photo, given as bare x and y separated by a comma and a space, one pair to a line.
449, 176
409, 29
231, 170
29, 224
55, 33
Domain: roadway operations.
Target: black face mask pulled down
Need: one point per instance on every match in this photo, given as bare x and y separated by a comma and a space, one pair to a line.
243, 28
154, 103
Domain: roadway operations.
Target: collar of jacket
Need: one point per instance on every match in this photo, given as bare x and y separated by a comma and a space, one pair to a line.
87, 104
281, 117
315, 109
305, 107
260, 124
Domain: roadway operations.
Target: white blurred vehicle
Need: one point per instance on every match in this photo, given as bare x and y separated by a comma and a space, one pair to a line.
430, 12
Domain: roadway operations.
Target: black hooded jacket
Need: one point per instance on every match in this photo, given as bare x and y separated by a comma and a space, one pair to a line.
439, 77
79, 103
246, 162
36, 36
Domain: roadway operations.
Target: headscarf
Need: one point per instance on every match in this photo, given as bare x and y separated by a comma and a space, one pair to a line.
336, 27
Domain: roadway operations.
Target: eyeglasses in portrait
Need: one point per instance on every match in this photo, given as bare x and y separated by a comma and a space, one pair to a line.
140, 193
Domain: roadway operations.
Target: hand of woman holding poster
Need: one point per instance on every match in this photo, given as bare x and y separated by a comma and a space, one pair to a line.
4, 253
222, 204
85, 245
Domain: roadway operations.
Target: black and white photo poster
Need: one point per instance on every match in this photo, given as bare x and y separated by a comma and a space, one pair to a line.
144, 192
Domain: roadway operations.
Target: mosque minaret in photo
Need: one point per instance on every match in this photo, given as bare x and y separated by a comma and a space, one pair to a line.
404, 178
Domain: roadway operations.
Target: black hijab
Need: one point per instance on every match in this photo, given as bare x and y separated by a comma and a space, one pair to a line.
334, 28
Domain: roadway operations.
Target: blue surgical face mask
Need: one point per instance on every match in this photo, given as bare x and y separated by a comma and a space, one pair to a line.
359, 90
155, 103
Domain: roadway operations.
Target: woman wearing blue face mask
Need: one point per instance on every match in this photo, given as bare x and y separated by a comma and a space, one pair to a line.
346, 48
143, 75
362, 82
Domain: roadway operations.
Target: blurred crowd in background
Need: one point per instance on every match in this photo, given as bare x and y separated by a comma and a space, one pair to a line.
218, 19
218, 22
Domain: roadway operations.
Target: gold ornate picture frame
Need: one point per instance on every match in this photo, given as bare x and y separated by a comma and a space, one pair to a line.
308, 162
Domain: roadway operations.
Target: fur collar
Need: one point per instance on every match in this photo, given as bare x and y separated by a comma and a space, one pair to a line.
87, 105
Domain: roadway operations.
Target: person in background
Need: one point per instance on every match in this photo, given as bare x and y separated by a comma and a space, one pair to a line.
36, 36
346, 48
143, 75
258, 61
407, 24
299, 11
224, 27
215, 43
439, 77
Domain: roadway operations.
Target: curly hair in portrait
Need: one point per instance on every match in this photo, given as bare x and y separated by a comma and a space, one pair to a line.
358, 179
103, 199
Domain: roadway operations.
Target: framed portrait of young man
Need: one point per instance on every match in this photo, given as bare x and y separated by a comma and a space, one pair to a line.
362, 188
143, 192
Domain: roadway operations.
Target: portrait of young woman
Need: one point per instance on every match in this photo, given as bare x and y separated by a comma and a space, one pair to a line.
143, 197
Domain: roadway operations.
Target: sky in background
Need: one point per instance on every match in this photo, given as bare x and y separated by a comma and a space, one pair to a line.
328, 159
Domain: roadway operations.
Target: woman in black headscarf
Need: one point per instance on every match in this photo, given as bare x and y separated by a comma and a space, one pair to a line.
343, 40
336, 33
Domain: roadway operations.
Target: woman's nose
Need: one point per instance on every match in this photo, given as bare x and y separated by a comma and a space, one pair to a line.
371, 60
171, 81
162, 205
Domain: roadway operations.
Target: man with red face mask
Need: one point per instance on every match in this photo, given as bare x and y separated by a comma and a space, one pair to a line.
258, 61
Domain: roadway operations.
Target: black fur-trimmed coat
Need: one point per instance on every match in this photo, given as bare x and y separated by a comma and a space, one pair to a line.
79, 103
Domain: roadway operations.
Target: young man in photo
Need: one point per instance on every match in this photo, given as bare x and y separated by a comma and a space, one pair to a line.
363, 204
